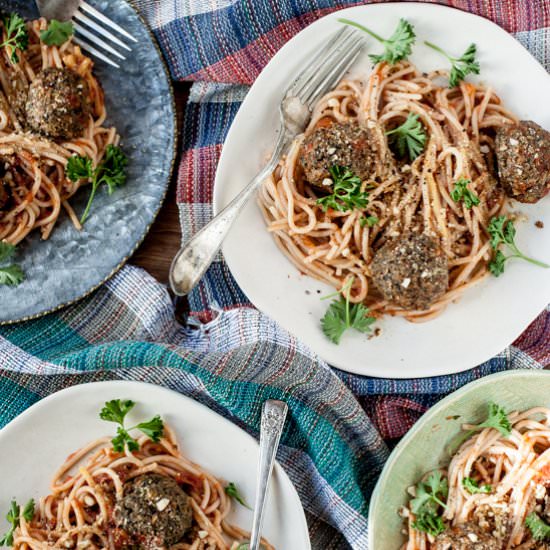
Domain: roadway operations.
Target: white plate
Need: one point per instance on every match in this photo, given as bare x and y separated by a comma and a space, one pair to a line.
37, 442
488, 317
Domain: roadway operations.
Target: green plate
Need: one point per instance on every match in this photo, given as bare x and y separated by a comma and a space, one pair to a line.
424, 448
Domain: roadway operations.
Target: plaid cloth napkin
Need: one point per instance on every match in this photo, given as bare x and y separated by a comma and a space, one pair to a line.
341, 426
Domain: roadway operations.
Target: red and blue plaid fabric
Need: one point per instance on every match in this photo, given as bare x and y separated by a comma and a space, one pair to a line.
238, 357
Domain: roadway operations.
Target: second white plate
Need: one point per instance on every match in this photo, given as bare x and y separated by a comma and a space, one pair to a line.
42, 437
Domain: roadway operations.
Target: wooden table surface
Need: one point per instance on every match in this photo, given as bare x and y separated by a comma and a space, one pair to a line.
164, 239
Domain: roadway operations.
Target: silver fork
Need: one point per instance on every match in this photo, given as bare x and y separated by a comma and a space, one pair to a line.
320, 75
92, 25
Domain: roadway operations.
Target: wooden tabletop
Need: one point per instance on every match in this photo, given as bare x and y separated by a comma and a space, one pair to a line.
164, 239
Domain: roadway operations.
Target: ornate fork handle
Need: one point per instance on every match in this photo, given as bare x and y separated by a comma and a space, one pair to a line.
195, 257
273, 421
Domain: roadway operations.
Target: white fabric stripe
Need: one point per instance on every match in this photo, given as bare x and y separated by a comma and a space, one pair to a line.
209, 92
162, 12
15, 359
538, 43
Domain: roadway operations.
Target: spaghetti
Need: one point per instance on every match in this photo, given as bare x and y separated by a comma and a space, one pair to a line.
336, 246
85, 490
514, 472
39, 188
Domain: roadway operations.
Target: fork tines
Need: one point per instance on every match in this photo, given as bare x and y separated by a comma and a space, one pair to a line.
327, 67
91, 24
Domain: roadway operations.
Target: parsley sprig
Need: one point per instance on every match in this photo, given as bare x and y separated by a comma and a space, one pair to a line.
232, 491
408, 138
397, 47
461, 192
370, 221
17, 36
346, 191
502, 232
342, 315
497, 419
11, 275
57, 33
116, 411
110, 172
540, 530
13, 517
461, 66
473, 487
430, 497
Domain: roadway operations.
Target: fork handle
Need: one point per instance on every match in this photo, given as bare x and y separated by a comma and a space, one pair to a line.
273, 422
196, 256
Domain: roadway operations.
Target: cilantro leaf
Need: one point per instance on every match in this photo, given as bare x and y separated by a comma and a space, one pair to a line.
540, 530
460, 66
153, 429
232, 491
472, 486
6, 251
461, 192
341, 315
346, 191
116, 410
408, 138
17, 36
397, 47
502, 232
57, 33
368, 220
110, 172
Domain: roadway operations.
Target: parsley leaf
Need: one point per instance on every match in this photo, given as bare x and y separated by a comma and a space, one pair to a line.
408, 138
461, 66
472, 486
462, 193
346, 191
341, 315
57, 33
425, 506
502, 231
123, 439
429, 523
17, 36
368, 220
10, 275
232, 491
7, 250
28, 511
540, 530
153, 429
13, 516
397, 47
116, 411
110, 172
497, 419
